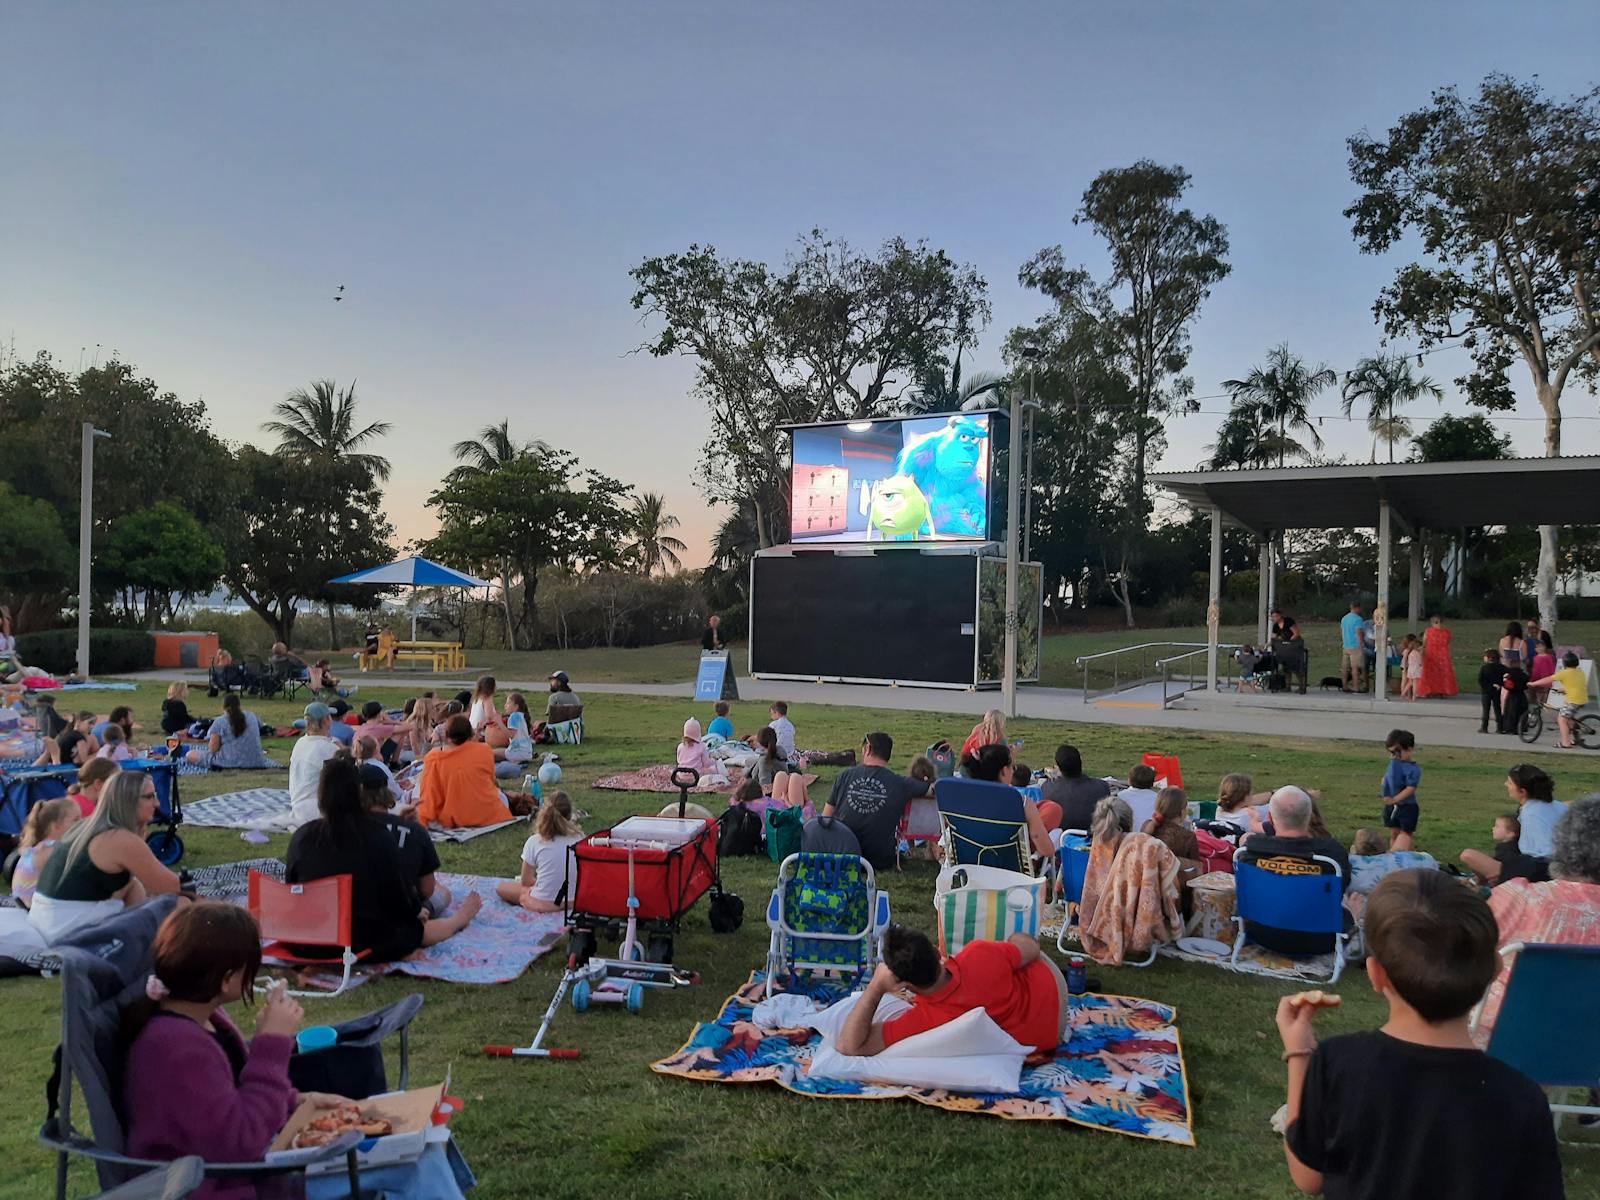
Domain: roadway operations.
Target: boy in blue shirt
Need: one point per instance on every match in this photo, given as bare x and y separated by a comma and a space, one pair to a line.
1400, 782
722, 727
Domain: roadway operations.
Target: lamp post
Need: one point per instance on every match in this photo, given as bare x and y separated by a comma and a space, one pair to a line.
85, 536
1014, 532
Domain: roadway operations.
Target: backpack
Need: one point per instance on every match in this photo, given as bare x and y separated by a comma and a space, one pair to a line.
943, 759
738, 832
1216, 854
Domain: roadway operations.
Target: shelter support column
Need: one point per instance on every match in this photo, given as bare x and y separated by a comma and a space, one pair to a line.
1414, 590
1214, 599
1263, 599
1380, 614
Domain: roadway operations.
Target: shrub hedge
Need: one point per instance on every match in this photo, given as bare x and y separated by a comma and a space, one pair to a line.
110, 650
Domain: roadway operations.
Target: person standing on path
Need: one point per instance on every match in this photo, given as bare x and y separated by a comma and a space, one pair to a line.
1353, 660
711, 639
1438, 668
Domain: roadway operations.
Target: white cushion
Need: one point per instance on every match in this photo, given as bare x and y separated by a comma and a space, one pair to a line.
969, 1054
17, 934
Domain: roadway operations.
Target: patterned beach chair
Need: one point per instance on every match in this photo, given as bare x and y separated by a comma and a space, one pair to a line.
827, 917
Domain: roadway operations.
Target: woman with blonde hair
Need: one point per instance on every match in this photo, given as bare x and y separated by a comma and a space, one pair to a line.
990, 731
47, 822
103, 864
175, 716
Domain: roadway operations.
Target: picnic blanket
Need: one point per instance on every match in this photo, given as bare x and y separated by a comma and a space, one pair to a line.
502, 942
1258, 960
1121, 1069
267, 809
231, 881
658, 778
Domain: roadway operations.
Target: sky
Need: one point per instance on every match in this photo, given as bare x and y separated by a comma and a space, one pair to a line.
186, 185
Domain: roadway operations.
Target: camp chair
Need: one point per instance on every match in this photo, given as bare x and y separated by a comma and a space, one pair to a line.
103, 972
826, 916
172, 1182
1301, 903
1073, 854
315, 914
983, 825
1548, 1027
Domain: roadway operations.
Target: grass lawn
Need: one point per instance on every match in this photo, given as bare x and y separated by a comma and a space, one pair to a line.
605, 1126
676, 662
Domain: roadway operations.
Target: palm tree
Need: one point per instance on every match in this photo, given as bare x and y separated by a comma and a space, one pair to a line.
936, 394
321, 424
653, 546
1282, 391
1386, 381
493, 448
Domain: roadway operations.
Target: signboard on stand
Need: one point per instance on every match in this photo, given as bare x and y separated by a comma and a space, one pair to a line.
716, 680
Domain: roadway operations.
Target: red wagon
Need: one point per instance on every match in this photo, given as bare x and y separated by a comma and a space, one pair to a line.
650, 868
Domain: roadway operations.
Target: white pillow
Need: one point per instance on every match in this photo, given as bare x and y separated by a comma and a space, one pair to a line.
18, 937
969, 1054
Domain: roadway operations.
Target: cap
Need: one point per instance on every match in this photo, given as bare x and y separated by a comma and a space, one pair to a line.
372, 776
560, 676
318, 711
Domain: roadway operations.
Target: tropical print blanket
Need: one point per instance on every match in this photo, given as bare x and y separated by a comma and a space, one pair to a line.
1120, 1069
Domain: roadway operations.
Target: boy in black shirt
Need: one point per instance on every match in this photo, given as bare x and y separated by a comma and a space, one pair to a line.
1514, 704
1490, 676
1413, 1109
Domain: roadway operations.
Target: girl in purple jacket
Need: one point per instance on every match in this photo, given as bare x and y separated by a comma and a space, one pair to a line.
192, 1085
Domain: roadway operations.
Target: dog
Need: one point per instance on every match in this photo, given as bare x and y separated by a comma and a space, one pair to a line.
1331, 683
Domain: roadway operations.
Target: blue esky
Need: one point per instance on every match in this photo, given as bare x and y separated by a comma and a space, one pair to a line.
188, 183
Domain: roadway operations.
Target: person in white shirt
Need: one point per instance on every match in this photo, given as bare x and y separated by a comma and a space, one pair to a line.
305, 764
784, 728
543, 880
1140, 794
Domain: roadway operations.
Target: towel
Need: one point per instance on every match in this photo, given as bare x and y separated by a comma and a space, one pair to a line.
1132, 904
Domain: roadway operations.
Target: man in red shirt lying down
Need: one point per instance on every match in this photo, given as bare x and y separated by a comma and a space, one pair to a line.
1021, 989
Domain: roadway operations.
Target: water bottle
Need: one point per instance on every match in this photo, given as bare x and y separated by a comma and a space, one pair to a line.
530, 784
1077, 975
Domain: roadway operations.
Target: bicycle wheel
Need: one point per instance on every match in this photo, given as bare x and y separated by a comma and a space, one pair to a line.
1532, 725
1586, 731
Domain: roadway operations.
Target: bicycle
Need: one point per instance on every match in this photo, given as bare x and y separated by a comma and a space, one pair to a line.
1585, 726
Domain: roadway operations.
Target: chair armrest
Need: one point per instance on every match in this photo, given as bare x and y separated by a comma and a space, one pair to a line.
179, 1178
391, 1019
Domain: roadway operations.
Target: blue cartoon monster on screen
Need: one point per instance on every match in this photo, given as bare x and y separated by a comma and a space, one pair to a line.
946, 466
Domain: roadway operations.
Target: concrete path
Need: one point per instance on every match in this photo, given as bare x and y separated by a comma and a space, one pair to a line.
1316, 715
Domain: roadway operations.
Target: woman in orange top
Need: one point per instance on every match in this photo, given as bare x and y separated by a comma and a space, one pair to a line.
458, 787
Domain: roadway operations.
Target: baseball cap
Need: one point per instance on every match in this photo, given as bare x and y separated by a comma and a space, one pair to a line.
560, 676
318, 711
372, 776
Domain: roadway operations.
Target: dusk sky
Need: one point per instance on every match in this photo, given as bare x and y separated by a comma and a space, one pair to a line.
187, 184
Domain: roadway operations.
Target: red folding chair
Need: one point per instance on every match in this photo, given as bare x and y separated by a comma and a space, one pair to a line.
305, 914
1165, 766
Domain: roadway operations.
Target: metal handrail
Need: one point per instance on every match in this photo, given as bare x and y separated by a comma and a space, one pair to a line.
1226, 676
1157, 668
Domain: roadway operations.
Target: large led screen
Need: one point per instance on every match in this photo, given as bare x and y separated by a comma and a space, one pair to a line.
914, 479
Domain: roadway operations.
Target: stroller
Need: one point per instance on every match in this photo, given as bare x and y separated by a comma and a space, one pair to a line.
827, 916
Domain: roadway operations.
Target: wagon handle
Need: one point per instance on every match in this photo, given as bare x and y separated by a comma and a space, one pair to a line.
679, 775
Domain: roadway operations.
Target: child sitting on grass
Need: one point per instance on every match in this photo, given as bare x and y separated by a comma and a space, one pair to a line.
1413, 1109
721, 726
692, 751
46, 822
543, 884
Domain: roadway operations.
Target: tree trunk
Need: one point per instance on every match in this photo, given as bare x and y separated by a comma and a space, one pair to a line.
1550, 401
333, 629
505, 597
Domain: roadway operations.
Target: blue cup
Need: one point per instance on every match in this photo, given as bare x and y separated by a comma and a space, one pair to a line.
316, 1037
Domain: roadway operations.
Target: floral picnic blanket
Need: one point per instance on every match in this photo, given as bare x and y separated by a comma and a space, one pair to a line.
1120, 1070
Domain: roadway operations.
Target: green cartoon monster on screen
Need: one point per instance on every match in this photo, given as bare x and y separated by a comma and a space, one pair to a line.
899, 509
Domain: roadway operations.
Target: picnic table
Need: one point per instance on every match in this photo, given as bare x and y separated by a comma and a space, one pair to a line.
440, 656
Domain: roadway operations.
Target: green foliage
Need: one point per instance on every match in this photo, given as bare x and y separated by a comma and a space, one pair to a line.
1385, 382
820, 337
653, 548
111, 651
35, 555
1459, 439
162, 552
621, 608
532, 513
317, 426
1269, 405
301, 528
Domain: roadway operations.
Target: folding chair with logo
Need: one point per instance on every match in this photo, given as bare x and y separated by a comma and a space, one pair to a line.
983, 825
317, 913
827, 916
1301, 903
1549, 1022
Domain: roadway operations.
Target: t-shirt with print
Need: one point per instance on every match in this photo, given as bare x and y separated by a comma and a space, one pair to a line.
548, 858
871, 800
1025, 1001
1383, 1119
418, 857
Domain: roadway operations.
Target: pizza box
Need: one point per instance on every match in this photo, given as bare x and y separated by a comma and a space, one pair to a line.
411, 1113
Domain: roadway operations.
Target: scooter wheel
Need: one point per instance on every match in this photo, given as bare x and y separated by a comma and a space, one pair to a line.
580, 995
635, 1000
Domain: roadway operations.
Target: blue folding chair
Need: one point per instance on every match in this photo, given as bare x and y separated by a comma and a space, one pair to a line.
1298, 903
1073, 855
827, 917
983, 825
1549, 1022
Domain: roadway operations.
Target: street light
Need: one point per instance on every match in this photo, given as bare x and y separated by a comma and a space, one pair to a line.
85, 533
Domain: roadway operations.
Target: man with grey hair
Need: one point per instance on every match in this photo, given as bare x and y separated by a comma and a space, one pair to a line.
1291, 849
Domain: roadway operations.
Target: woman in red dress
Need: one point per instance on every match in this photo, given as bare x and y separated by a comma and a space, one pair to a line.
1438, 669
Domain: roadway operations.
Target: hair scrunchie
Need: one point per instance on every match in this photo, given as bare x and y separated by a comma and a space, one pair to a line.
155, 989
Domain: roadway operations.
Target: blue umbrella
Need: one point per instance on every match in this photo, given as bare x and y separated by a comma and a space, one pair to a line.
413, 572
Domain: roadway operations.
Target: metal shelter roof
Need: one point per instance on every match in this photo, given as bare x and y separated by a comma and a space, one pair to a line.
1435, 495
